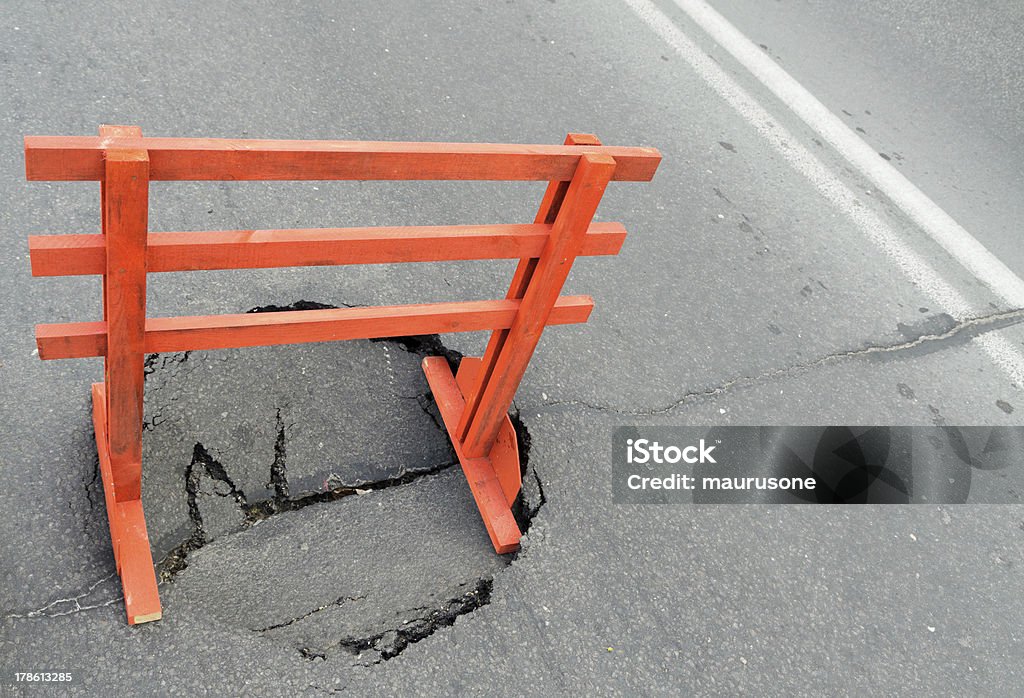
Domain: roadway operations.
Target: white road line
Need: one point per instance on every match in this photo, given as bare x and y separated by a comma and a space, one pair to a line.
959, 243
1011, 288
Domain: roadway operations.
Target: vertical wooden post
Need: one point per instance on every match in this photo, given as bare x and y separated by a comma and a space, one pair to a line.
552, 268
550, 205
117, 402
125, 192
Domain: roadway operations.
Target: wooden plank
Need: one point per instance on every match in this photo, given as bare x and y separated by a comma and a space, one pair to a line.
109, 131
84, 339
72, 255
128, 534
68, 255
81, 158
138, 578
483, 481
504, 456
99, 425
126, 207
72, 340
550, 205
581, 201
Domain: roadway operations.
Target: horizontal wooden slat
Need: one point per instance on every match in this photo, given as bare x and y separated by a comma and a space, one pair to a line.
71, 255
81, 158
84, 339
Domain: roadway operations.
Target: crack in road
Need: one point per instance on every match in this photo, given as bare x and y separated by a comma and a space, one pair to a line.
155, 362
960, 333
340, 601
278, 477
69, 605
90, 484
382, 645
152, 364
203, 463
254, 512
389, 643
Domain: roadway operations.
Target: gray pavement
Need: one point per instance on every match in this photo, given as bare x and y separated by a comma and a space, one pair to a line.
935, 87
740, 297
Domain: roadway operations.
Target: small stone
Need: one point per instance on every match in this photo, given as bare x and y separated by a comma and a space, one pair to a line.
387, 643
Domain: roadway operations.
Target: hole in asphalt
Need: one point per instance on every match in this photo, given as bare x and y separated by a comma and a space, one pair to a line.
244, 450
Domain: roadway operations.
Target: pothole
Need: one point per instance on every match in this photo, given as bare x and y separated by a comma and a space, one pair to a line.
281, 424
240, 446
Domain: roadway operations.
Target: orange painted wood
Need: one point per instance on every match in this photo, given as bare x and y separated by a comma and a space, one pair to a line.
128, 534
81, 158
504, 455
71, 255
138, 578
72, 340
124, 162
110, 131
577, 210
84, 339
126, 207
99, 422
483, 481
550, 204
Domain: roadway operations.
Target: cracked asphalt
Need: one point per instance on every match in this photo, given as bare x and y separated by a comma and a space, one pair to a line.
310, 529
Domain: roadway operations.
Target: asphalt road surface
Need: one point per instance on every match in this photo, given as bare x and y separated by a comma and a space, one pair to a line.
774, 274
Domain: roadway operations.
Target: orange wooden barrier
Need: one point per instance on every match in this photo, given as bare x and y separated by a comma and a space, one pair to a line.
473, 404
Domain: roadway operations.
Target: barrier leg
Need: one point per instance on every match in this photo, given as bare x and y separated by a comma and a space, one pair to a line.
117, 403
125, 221
550, 205
504, 454
574, 216
127, 531
481, 451
492, 501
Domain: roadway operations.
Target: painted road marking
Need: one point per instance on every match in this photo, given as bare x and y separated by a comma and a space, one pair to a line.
959, 243
1005, 283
